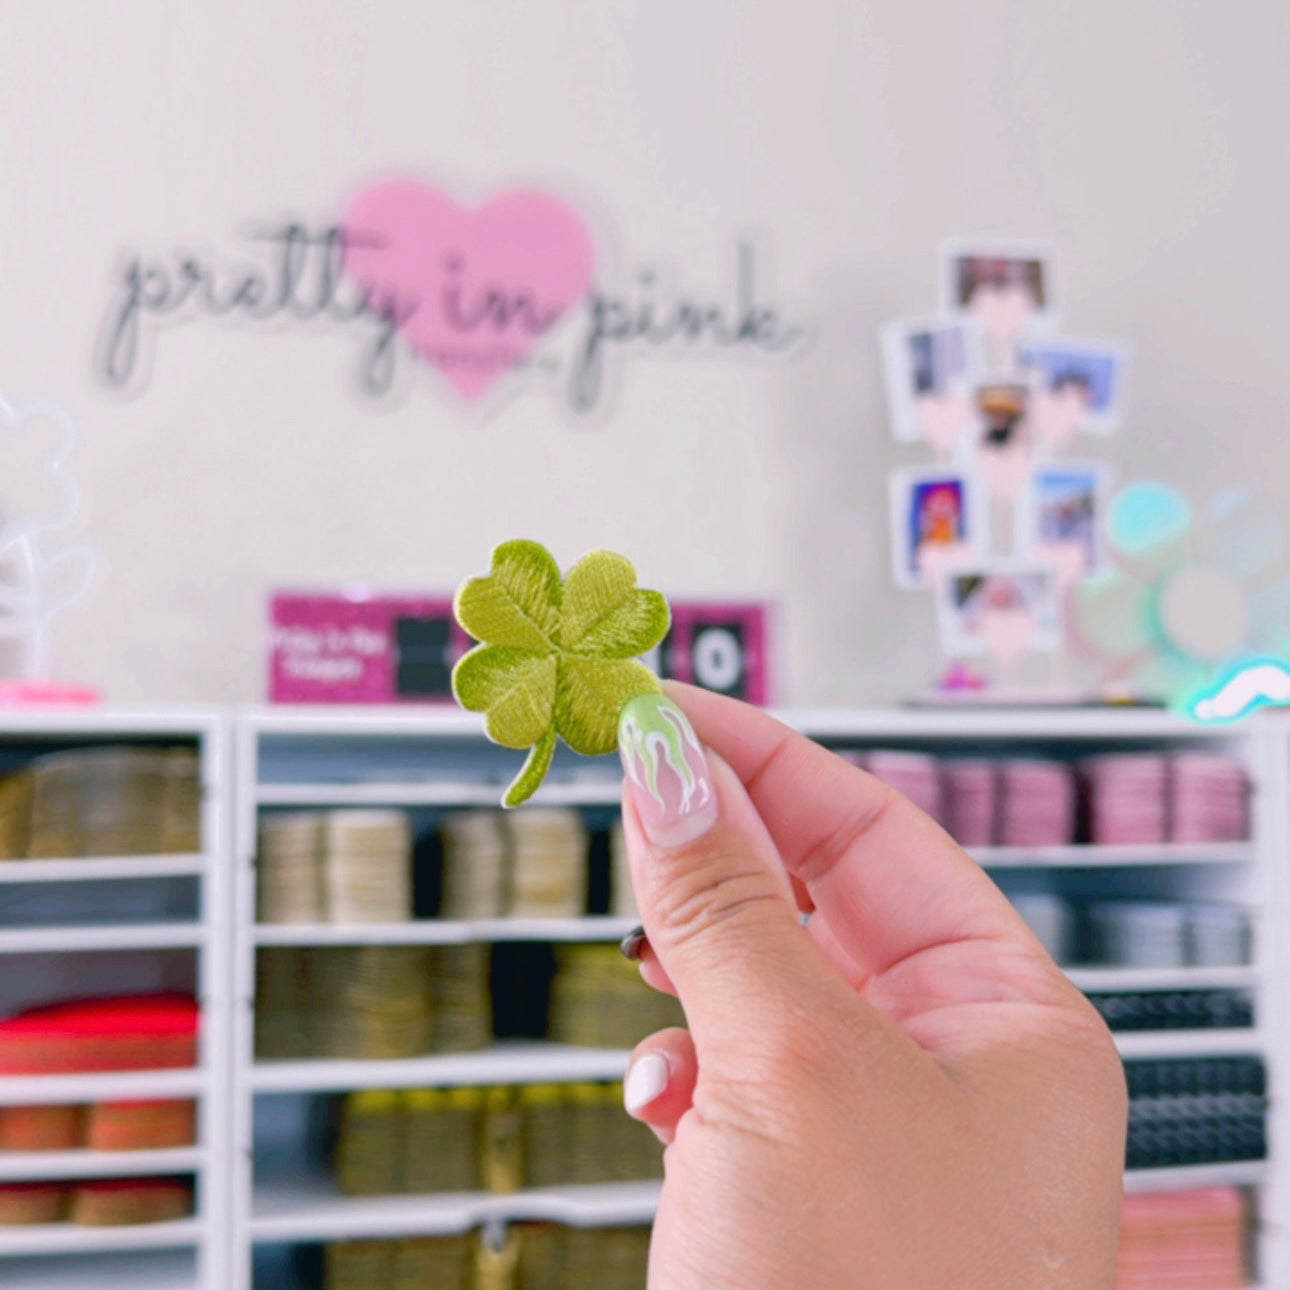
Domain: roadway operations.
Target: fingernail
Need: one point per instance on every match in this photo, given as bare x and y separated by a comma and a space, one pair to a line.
645, 1081
667, 770
632, 944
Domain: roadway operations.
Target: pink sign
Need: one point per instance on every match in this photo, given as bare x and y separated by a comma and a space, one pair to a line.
357, 648
471, 291
379, 648
721, 646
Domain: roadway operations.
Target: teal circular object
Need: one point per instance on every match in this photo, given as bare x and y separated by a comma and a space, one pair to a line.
1147, 515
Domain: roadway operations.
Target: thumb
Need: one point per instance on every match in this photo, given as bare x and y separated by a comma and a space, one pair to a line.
713, 893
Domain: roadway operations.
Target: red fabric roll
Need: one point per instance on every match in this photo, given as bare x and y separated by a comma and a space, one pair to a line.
138, 1032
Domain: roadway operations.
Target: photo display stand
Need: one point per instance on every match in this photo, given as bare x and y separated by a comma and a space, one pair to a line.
1002, 525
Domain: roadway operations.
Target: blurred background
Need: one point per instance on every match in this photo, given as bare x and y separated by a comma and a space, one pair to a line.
306, 297
837, 141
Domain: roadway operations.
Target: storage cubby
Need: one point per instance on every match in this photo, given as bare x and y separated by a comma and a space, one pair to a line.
494, 992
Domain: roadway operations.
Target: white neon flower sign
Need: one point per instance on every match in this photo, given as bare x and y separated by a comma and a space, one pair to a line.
41, 572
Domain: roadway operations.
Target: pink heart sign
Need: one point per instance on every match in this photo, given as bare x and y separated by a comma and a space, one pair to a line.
471, 291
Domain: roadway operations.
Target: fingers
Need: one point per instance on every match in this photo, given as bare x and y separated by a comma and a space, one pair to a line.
659, 1087
713, 895
834, 951
636, 947
888, 882
655, 975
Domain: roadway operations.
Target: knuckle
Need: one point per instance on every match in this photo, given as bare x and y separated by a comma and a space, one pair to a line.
858, 821
1086, 1032
707, 886
1083, 1051
787, 1084
750, 1105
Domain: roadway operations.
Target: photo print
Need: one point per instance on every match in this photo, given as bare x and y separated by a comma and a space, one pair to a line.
1004, 448
1078, 385
1006, 289
934, 524
1000, 608
1061, 523
1002, 407
931, 367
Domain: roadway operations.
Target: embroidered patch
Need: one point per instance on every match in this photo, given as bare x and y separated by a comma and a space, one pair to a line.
556, 657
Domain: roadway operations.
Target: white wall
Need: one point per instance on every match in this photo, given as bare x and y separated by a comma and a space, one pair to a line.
1143, 140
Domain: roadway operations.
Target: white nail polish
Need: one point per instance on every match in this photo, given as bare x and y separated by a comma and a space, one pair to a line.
646, 1080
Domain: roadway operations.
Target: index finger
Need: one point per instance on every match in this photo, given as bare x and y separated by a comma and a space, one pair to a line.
887, 879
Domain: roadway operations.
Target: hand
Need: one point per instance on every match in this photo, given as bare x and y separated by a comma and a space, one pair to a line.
908, 1094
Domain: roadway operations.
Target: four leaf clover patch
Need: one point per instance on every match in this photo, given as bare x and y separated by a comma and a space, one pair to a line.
557, 657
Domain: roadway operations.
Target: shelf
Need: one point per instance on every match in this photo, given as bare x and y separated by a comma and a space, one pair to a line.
433, 793
445, 932
1096, 980
95, 724
552, 929
954, 724
359, 721
67, 1238
1082, 855
95, 868
1240, 1173
309, 1209
951, 725
427, 931
519, 1063
104, 1086
119, 936
144, 1270
1191, 1043
35, 1166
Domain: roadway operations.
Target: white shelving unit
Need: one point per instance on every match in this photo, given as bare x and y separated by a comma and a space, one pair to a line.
421, 761
432, 760
1251, 873
428, 761
58, 958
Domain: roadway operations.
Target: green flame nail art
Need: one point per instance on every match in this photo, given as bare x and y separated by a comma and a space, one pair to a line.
653, 732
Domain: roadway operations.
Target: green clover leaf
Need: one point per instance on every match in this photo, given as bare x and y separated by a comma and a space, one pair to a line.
555, 658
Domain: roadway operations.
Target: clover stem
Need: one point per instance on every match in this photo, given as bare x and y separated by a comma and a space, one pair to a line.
535, 767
